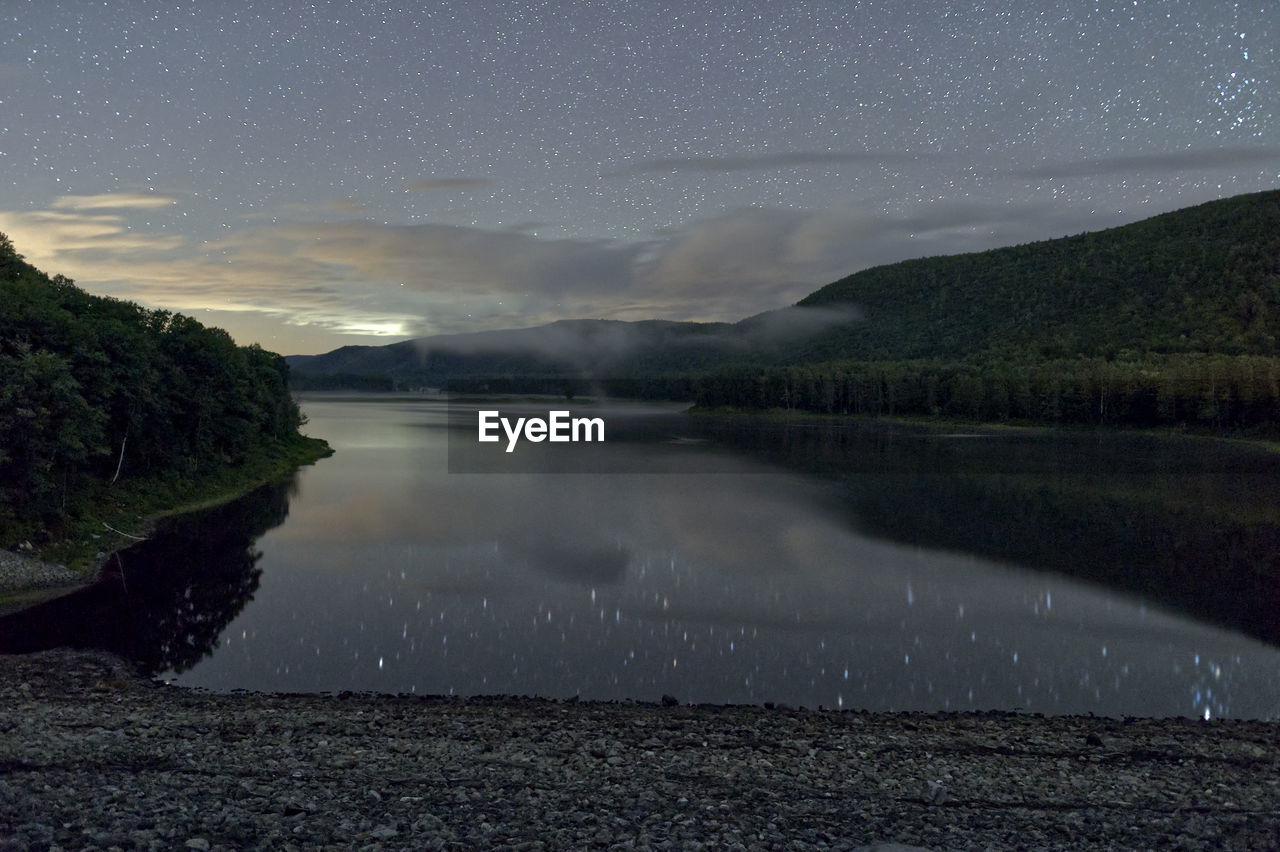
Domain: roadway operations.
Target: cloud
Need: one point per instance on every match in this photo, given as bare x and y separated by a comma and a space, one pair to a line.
50, 236
1214, 158
758, 162
744, 257
163, 270
113, 201
759, 258
461, 278
365, 277
444, 258
447, 184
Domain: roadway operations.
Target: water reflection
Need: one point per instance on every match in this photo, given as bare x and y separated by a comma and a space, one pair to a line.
1192, 524
761, 585
163, 602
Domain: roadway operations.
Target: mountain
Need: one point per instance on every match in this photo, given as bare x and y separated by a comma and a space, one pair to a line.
572, 348
1200, 279
1204, 279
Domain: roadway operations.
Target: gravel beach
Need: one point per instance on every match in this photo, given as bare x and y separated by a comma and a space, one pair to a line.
26, 581
19, 572
92, 755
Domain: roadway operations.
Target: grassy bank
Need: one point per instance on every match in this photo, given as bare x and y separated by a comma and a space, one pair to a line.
111, 516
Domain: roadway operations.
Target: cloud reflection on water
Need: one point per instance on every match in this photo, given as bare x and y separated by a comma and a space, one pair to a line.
393, 575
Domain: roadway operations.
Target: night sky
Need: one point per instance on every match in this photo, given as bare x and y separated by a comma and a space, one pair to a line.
311, 175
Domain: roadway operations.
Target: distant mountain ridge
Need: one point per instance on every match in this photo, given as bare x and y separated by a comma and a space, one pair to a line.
1200, 279
567, 347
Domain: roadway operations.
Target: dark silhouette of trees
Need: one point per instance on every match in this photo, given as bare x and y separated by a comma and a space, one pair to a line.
1222, 392
92, 387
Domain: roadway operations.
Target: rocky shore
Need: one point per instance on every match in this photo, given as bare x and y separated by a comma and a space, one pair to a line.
25, 580
19, 572
94, 756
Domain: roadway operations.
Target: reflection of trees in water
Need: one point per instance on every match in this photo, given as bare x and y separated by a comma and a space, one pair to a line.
164, 601
1215, 569
1191, 525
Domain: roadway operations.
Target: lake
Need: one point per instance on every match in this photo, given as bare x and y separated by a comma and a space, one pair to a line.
847, 564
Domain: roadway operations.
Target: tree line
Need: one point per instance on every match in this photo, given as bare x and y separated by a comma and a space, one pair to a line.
1216, 391
95, 390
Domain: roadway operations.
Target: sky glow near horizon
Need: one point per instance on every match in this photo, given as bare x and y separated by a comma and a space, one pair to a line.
312, 175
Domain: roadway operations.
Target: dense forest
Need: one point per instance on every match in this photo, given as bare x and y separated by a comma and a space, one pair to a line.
1218, 392
1170, 320
1200, 279
1173, 320
96, 391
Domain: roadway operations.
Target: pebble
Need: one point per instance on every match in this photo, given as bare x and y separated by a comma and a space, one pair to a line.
19, 572
137, 764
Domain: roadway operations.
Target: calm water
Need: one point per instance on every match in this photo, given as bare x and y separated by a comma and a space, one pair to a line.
810, 565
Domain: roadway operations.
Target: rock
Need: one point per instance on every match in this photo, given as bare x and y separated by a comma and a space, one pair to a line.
145, 766
669, 701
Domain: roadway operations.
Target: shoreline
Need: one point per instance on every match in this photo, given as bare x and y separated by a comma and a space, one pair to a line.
95, 754
1270, 444
26, 581
29, 578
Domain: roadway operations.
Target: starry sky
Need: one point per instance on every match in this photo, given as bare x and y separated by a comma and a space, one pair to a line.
309, 175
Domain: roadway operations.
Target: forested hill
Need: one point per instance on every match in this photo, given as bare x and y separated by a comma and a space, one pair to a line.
95, 390
1171, 321
1201, 279
568, 348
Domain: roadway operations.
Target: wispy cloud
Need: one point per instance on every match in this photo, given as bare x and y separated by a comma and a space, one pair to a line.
764, 257
51, 236
100, 251
114, 201
1178, 161
361, 276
